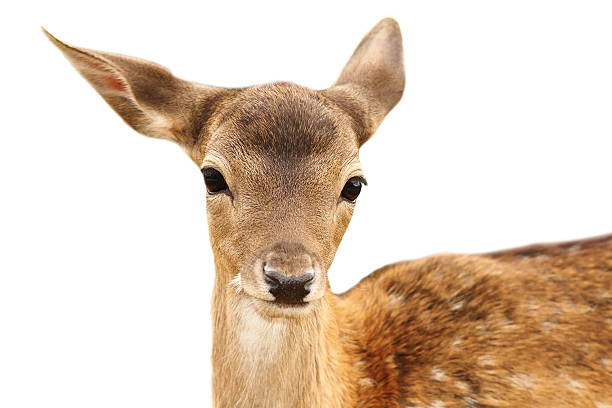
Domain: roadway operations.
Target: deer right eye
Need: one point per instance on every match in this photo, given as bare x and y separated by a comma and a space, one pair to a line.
352, 188
215, 183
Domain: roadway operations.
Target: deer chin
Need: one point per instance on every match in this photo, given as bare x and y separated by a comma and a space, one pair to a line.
273, 310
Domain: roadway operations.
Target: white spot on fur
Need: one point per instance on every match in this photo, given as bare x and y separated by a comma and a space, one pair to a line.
522, 380
438, 374
395, 300
471, 402
457, 305
390, 360
606, 363
484, 329
572, 307
573, 384
541, 257
236, 283
603, 405
547, 327
507, 324
457, 341
437, 404
462, 386
574, 248
533, 307
359, 364
367, 382
486, 361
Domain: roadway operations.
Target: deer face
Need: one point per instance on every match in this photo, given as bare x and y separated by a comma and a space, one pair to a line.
280, 161
282, 173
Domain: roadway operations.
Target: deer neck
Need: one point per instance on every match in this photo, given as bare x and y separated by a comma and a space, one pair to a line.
260, 361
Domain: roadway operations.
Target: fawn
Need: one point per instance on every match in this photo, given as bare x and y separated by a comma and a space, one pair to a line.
517, 328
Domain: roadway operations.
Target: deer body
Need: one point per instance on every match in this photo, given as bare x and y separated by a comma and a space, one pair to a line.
521, 328
529, 327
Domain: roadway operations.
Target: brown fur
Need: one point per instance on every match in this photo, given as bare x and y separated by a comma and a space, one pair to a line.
525, 327
471, 331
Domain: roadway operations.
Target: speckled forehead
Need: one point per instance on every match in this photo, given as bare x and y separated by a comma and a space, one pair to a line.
285, 122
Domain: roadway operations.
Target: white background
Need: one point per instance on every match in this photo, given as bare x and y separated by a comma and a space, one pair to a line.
503, 138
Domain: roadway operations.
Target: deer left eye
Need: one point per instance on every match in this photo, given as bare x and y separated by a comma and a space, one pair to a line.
215, 183
352, 188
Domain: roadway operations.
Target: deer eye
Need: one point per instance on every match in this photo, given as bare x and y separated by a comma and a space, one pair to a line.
215, 183
352, 188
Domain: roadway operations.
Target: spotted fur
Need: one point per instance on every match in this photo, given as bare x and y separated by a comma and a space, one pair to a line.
534, 329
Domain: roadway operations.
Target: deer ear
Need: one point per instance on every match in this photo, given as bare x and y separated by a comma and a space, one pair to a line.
146, 95
372, 82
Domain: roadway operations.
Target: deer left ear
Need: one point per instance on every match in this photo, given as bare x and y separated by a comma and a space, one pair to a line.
146, 95
372, 82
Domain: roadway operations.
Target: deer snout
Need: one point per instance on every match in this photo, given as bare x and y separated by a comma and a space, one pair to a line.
288, 273
283, 274
288, 288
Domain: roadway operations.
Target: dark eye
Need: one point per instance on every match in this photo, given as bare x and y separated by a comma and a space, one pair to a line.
352, 188
215, 183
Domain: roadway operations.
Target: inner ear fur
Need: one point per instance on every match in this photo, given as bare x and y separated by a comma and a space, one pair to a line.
146, 95
372, 82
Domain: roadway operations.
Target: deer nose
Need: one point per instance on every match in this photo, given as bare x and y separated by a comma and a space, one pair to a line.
288, 289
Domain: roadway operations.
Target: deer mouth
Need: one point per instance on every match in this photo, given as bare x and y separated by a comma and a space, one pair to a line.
275, 309
289, 305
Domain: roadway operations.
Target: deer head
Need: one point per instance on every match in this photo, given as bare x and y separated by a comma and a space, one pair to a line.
280, 161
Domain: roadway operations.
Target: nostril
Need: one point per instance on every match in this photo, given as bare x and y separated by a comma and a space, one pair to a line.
307, 277
272, 278
304, 280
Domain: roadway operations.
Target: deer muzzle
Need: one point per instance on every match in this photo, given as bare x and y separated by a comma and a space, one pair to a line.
285, 274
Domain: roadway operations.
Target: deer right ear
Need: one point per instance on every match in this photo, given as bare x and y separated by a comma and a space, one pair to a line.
146, 95
372, 82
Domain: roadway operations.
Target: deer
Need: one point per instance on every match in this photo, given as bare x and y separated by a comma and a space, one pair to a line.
524, 327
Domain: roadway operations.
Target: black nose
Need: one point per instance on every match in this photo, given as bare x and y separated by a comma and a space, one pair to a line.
288, 289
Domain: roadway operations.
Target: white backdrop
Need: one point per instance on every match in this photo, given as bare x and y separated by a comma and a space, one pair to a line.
503, 138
